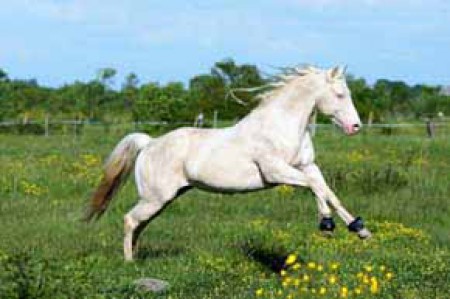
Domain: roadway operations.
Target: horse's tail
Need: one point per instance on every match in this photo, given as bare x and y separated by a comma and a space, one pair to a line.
116, 170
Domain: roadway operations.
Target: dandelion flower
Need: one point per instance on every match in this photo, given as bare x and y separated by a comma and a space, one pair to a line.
305, 277
259, 292
382, 268
296, 266
319, 267
311, 265
291, 259
344, 292
374, 285
389, 275
334, 266
368, 268
332, 279
286, 281
283, 273
322, 291
358, 291
360, 275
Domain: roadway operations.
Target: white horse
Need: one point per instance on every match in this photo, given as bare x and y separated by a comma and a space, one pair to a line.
270, 146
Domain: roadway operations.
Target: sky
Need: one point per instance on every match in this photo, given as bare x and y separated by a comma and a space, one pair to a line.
60, 41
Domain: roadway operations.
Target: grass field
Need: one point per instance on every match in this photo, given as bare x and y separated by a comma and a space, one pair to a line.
229, 246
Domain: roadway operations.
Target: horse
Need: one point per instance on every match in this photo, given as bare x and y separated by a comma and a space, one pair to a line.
270, 146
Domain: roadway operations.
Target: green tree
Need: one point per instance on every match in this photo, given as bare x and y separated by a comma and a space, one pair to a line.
130, 91
106, 76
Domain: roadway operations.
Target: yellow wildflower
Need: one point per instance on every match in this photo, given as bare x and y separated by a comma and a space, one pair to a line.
291, 259
319, 267
368, 268
259, 292
311, 265
322, 291
358, 291
344, 292
286, 190
334, 266
389, 275
283, 273
296, 266
332, 279
305, 277
286, 281
382, 268
373, 285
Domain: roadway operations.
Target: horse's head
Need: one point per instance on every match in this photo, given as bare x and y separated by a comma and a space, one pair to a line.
335, 101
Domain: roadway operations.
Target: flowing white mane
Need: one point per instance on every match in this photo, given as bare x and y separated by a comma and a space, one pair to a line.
288, 75
277, 82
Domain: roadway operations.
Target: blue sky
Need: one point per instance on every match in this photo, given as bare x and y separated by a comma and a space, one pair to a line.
59, 41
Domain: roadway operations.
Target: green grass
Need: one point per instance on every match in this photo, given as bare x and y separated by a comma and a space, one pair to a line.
226, 246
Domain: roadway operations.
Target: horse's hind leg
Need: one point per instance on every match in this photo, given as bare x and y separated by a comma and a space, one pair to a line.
148, 208
136, 220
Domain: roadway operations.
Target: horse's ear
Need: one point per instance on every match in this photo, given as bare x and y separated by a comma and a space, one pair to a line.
332, 73
336, 72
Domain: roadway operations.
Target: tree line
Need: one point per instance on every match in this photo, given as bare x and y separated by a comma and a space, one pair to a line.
97, 100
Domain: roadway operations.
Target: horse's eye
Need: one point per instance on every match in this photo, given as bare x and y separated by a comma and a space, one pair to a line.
340, 96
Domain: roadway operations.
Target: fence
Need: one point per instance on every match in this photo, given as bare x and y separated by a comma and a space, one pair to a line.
49, 127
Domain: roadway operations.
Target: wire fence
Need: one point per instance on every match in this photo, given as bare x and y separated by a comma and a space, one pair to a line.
49, 127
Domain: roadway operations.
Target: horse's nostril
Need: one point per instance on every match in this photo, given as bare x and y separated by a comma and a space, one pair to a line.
356, 127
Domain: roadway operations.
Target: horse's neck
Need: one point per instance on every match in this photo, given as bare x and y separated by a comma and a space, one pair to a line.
287, 115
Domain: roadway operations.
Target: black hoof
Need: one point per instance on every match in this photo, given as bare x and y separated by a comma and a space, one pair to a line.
356, 225
327, 225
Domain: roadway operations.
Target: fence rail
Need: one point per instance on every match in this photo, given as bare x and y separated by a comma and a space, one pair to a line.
76, 127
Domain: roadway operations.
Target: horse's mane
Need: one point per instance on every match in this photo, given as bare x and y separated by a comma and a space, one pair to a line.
275, 83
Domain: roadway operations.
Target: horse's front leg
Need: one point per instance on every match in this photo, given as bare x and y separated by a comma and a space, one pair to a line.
321, 189
279, 172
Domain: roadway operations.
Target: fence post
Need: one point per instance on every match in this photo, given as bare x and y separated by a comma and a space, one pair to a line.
430, 128
46, 125
215, 119
75, 133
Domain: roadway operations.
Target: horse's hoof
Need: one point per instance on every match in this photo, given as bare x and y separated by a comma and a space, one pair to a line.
327, 226
356, 225
364, 234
